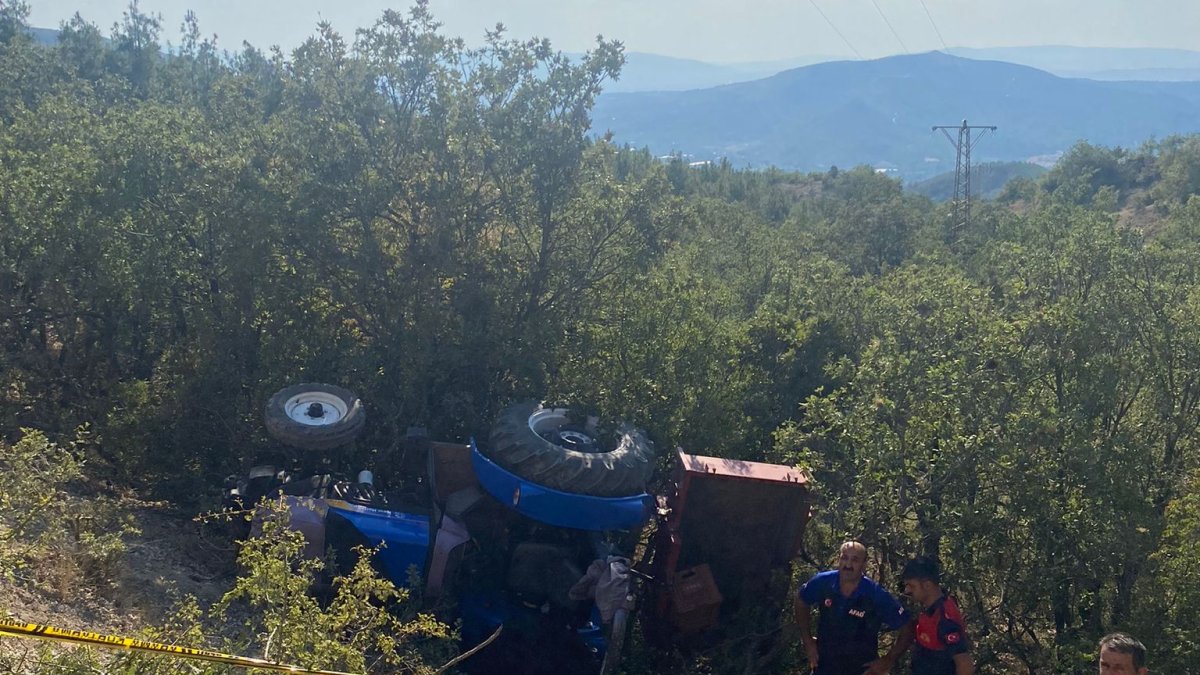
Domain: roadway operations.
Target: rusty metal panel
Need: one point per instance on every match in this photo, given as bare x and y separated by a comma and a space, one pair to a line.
736, 468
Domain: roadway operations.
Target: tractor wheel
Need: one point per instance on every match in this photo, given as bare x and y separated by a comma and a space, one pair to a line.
314, 416
544, 446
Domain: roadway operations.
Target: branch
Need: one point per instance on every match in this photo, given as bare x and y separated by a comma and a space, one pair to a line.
470, 652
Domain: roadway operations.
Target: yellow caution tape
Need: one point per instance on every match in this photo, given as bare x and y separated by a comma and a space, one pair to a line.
43, 632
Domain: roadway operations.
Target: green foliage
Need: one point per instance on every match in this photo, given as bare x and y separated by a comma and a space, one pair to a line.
1171, 586
356, 628
367, 626
1085, 169
1018, 422
1178, 164
52, 535
988, 179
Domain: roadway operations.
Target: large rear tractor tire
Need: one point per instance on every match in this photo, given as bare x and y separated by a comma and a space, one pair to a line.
314, 416
545, 446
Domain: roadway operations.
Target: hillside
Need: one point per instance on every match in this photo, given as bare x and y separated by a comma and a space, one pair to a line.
880, 112
654, 72
45, 36
987, 180
1097, 63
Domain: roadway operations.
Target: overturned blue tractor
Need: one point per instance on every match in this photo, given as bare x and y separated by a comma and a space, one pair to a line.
508, 529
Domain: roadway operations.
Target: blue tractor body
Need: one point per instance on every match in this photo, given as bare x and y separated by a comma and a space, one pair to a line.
403, 539
505, 548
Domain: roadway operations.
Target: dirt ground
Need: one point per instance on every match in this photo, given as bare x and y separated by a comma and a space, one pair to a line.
172, 557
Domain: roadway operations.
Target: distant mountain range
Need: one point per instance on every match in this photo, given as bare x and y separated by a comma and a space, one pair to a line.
1097, 63
46, 36
653, 72
880, 112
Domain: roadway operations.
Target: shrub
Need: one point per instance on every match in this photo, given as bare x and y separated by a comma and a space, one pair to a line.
52, 536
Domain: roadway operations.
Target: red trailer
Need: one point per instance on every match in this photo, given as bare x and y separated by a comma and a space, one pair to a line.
725, 526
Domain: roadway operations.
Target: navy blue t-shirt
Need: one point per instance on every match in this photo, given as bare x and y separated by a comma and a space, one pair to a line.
848, 628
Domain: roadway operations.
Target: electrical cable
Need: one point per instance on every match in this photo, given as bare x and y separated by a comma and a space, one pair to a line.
934, 24
835, 29
890, 27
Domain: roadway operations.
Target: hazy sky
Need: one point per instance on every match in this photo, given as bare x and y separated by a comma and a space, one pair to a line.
710, 30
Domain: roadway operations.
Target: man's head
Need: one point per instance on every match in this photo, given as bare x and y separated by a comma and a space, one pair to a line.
852, 562
1121, 654
923, 580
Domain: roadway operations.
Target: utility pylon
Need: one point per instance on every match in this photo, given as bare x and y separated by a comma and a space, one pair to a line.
962, 168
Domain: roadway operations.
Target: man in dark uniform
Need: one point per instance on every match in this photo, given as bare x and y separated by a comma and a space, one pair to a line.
941, 647
853, 609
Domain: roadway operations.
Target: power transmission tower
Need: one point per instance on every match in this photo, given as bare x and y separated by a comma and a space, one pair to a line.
962, 168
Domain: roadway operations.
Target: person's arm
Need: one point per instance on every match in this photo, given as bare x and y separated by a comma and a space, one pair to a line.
804, 623
952, 632
903, 640
895, 617
964, 664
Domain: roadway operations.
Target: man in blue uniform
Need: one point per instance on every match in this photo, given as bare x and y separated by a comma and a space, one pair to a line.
853, 609
941, 647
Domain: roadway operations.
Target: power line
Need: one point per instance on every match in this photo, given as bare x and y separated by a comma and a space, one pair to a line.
889, 25
934, 24
835, 28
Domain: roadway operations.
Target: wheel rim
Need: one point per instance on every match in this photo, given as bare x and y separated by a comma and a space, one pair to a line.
316, 409
553, 425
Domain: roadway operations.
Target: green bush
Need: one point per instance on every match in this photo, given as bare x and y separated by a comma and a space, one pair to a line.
367, 626
52, 536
